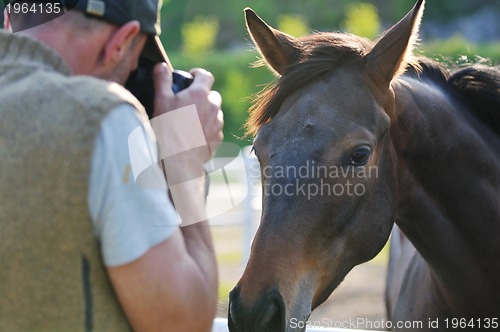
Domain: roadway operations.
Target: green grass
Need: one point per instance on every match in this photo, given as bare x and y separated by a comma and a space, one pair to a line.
457, 51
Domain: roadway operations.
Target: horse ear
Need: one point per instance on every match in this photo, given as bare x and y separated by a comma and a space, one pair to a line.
278, 49
394, 49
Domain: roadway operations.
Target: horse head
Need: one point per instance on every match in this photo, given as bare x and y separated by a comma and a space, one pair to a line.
322, 137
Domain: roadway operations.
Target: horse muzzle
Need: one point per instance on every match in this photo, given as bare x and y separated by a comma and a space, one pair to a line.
266, 315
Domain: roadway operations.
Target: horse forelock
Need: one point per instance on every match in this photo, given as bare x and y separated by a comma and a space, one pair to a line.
321, 53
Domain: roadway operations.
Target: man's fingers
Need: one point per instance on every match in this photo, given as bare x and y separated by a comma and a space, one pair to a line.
203, 80
163, 80
215, 98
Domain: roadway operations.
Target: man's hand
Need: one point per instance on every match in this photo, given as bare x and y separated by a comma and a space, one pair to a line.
207, 102
174, 286
188, 127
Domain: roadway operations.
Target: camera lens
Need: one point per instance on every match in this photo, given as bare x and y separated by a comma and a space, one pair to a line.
181, 80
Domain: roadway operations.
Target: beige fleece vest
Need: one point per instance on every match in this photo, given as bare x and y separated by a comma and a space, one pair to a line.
51, 274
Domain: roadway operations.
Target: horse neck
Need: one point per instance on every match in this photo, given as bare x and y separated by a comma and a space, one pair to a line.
449, 185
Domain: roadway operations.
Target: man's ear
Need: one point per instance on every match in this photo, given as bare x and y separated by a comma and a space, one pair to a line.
118, 44
393, 51
278, 49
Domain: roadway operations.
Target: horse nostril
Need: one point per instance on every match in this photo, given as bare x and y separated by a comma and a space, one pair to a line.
266, 315
272, 314
233, 297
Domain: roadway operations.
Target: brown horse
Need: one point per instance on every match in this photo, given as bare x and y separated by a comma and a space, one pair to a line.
353, 138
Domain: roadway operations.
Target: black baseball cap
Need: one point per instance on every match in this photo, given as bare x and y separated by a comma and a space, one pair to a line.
119, 12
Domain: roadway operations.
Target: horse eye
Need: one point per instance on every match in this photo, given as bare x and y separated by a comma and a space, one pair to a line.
360, 156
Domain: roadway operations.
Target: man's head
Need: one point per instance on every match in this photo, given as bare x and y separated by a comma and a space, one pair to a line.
102, 38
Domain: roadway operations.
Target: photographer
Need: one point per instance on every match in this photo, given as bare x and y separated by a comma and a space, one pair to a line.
83, 245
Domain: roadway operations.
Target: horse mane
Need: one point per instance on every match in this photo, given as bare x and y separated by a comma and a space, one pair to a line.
321, 53
477, 86
480, 87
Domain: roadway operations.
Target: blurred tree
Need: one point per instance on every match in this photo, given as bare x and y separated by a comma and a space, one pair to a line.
391, 11
236, 91
199, 35
362, 19
172, 20
321, 15
293, 24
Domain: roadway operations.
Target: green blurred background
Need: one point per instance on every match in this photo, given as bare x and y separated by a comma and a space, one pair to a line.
211, 34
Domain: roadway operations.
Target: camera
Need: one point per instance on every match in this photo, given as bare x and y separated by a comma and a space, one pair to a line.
141, 83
